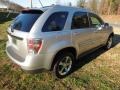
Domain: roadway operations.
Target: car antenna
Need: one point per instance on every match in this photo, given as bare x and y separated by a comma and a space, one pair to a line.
40, 3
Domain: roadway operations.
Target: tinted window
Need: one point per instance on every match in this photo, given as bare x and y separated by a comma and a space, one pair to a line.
25, 20
55, 22
80, 20
95, 21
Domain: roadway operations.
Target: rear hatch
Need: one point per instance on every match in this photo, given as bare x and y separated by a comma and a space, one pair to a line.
19, 30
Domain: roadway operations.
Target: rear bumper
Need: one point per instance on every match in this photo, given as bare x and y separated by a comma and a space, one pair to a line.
31, 63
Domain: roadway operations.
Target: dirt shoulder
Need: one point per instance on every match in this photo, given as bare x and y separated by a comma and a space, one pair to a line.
114, 19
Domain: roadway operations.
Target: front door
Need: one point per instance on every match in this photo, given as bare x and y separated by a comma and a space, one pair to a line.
82, 35
96, 25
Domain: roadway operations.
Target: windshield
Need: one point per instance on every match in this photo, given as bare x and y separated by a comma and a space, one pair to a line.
25, 20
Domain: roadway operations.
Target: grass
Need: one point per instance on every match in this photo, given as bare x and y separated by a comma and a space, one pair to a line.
97, 71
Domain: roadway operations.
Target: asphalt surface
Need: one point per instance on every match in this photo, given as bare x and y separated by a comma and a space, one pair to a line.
115, 25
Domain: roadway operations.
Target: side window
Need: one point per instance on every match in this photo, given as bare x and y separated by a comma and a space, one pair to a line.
55, 22
95, 21
80, 20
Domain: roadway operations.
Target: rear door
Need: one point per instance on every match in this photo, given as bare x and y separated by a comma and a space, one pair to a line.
82, 34
19, 30
55, 34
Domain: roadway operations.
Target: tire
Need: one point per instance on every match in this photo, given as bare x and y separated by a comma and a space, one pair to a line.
109, 43
64, 65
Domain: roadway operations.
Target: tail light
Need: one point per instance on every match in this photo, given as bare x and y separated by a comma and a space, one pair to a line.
34, 45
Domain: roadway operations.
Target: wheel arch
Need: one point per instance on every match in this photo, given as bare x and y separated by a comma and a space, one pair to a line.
112, 34
67, 49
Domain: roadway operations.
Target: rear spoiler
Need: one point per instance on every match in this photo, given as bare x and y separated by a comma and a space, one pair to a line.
31, 11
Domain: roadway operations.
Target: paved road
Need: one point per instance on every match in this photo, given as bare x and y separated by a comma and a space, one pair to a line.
115, 25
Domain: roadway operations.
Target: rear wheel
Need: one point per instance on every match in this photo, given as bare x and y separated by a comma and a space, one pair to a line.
109, 43
64, 64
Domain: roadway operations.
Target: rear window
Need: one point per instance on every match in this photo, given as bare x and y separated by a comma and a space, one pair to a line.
25, 20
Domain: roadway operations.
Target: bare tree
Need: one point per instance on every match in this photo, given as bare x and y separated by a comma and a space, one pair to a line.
105, 7
118, 12
115, 6
109, 7
93, 5
81, 3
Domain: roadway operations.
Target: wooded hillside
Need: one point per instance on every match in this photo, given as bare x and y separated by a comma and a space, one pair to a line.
105, 7
10, 5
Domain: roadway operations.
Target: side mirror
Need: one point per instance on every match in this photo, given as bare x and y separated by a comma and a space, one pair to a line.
106, 25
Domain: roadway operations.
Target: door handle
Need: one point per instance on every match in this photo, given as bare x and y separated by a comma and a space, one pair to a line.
98, 30
76, 33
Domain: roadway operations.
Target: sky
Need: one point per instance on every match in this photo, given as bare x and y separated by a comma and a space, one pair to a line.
26, 3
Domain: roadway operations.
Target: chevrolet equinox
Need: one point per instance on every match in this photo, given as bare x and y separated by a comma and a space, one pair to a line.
52, 38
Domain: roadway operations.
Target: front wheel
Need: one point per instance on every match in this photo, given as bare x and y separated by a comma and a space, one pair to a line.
109, 43
64, 65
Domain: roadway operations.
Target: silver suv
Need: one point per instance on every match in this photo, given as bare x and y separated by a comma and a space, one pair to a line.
52, 38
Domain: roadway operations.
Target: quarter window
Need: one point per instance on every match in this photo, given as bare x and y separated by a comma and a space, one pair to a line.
80, 20
55, 22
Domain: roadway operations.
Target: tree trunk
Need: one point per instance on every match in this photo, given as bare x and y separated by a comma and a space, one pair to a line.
109, 8
118, 12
